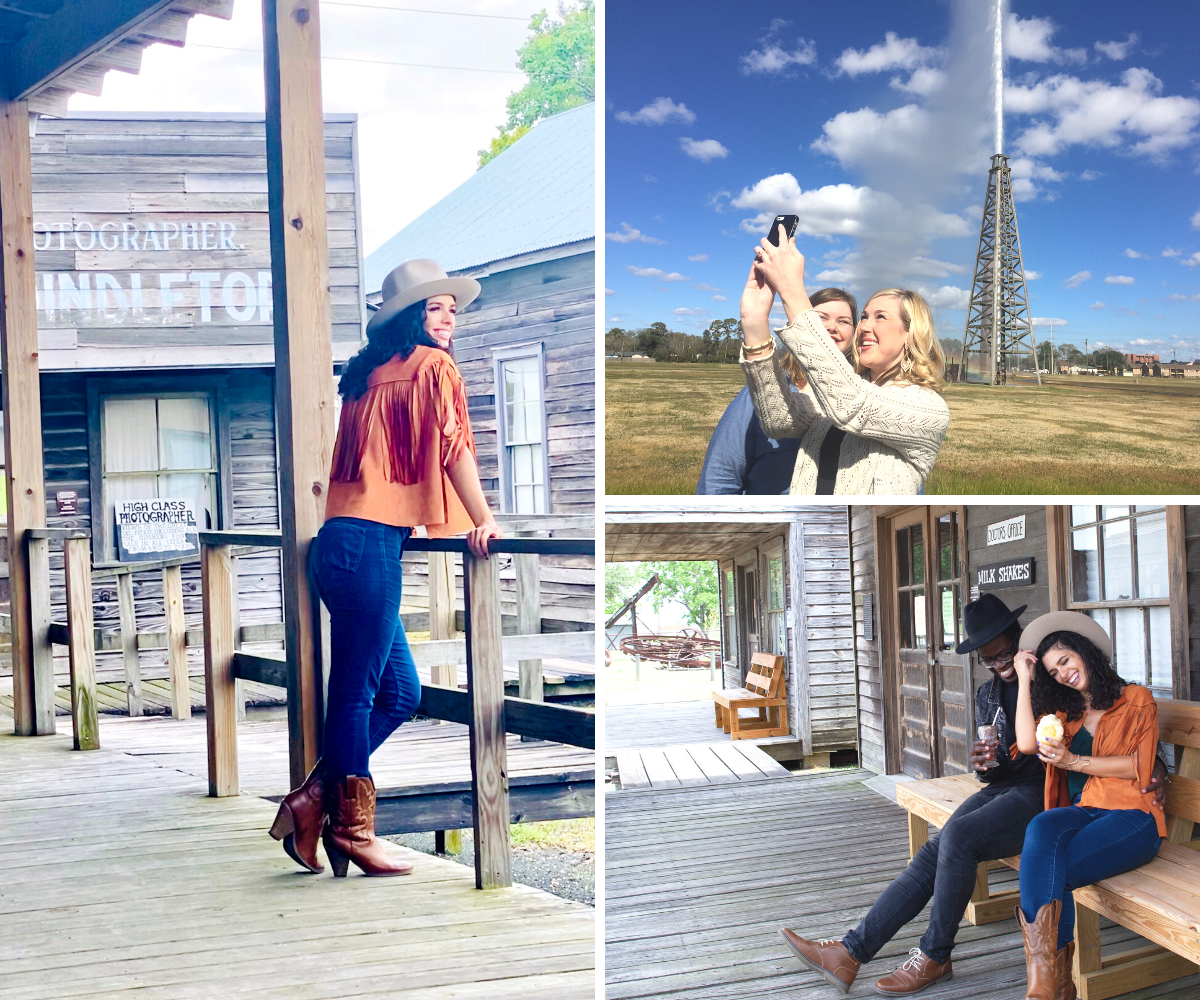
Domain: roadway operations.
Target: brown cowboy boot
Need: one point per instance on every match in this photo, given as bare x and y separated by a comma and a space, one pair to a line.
350, 833
1041, 951
918, 972
1066, 979
830, 958
300, 819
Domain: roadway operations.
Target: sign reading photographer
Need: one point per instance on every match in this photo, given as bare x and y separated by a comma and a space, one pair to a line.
158, 528
1010, 573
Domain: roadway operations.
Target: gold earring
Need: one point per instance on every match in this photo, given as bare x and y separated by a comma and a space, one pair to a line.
906, 361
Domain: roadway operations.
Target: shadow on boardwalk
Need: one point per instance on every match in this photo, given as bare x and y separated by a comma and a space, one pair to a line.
699, 880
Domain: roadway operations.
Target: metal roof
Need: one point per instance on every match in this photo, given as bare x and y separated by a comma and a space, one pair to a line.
539, 193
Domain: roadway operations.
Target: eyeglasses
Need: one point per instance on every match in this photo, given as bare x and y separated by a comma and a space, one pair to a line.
999, 661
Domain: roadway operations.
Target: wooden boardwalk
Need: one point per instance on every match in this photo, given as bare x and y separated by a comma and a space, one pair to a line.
698, 881
123, 877
695, 764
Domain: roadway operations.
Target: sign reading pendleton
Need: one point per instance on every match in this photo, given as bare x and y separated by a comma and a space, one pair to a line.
156, 529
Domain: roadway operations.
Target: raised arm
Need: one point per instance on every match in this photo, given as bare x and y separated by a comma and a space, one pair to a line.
1025, 722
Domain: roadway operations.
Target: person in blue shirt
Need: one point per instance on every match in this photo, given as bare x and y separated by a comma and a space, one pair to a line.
740, 457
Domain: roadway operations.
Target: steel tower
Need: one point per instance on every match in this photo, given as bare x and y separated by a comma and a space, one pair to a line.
998, 321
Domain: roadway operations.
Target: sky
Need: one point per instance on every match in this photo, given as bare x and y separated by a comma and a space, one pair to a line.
876, 126
420, 128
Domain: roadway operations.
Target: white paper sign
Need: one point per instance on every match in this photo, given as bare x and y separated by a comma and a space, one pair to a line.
1012, 530
157, 528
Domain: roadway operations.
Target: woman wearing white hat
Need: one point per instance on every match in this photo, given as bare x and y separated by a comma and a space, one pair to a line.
1098, 736
404, 456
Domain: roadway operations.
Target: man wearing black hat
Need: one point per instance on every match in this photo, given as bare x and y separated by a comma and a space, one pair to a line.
988, 826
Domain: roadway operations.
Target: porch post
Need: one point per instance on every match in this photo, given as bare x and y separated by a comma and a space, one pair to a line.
33, 716
303, 352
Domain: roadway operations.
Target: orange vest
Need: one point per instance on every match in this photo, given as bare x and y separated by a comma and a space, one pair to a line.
395, 441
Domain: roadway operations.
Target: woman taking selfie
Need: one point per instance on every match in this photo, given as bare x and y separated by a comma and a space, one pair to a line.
875, 434
404, 457
740, 457
1098, 736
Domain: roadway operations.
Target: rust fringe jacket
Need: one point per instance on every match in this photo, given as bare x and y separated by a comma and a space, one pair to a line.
395, 441
1129, 727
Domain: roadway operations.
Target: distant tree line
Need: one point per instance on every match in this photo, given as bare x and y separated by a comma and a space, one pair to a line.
718, 344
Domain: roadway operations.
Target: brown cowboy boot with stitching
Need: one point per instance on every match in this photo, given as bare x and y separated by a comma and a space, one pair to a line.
830, 958
1066, 979
918, 972
1041, 951
300, 819
350, 833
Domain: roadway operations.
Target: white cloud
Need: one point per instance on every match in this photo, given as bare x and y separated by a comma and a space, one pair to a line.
718, 298
690, 312
1097, 305
1192, 261
1048, 321
609, 291
703, 149
774, 58
1077, 279
1118, 279
949, 297
1025, 175
658, 112
892, 53
1196, 221
1171, 252
856, 137
1117, 50
631, 235
1183, 298
1030, 40
1134, 255
702, 287
1033, 275
654, 272
699, 258
1090, 175
925, 80
1096, 113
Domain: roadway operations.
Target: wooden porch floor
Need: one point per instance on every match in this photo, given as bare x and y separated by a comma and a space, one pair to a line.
695, 764
699, 880
666, 725
121, 875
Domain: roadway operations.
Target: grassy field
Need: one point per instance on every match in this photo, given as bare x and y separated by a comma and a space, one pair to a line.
1073, 435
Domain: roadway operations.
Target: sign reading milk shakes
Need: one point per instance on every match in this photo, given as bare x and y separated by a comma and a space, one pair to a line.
158, 528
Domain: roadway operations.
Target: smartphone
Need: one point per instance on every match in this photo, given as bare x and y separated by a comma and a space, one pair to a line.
789, 223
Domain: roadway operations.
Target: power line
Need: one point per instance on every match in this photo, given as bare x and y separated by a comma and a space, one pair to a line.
370, 62
421, 10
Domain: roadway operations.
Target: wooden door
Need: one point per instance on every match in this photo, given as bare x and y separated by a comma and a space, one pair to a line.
955, 704
748, 610
917, 715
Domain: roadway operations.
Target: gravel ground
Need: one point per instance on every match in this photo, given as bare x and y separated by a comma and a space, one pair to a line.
569, 874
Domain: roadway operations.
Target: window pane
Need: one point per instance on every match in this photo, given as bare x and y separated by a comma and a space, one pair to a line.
1083, 513
130, 444
918, 554
1111, 510
196, 487
1148, 506
905, 608
118, 489
1085, 566
946, 546
1129, 644
1101, 615
729, 592
183, 430
948, 597
903, 576
918, 597
1160, 648
775, 583
1152, 555
1118, 569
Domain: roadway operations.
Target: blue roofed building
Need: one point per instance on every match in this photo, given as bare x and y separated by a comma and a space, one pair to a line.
525, 227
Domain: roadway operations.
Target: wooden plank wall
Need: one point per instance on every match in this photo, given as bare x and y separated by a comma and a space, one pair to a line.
551, 302
867, 653
1191, 521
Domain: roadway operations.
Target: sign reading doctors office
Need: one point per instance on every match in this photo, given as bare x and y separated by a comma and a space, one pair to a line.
1012, 530
157, 528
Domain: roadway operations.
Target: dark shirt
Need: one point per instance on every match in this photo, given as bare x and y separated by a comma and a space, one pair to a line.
1013, 768
742, 459
1081, 746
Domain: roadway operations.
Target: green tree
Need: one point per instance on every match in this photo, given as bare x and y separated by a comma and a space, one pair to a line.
692, 584
618, 341
651, 338
1109, 360
621, 582
560, 62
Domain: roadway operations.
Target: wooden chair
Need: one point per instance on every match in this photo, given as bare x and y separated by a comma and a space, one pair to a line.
764, 690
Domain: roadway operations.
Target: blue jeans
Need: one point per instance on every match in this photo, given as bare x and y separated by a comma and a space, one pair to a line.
373, 685
1074, 846
988, 826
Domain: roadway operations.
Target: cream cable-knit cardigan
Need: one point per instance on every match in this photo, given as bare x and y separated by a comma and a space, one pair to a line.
894, 430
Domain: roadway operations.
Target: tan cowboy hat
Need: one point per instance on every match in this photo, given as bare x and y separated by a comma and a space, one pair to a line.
417, 280
1066, 621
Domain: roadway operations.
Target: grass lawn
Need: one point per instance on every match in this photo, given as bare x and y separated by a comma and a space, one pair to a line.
1075, 434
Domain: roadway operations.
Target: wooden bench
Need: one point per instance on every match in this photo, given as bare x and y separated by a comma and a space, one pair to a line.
1160, 900
764, 690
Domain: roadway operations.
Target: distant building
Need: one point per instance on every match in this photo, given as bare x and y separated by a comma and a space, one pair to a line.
1141, 359
1180, 369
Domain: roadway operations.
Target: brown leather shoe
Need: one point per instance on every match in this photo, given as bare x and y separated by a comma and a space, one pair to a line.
918, 972
830, 958
350, 833
300, 819
1041, 951
1066, 978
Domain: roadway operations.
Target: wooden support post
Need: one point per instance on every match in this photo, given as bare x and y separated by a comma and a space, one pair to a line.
181, 694
529, 622
21, 389
303, 352
489, 750
918, 833
1187, 765
129, 644
82, 649
42, 652
219, 682
1087, 943
440, 579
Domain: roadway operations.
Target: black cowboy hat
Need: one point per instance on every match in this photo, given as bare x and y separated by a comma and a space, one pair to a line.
984, 620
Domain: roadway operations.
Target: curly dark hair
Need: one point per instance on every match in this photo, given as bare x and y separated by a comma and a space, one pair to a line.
1048, 696
398, 336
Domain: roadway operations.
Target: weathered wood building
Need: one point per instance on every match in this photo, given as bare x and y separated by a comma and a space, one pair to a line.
1136, 569
784, 587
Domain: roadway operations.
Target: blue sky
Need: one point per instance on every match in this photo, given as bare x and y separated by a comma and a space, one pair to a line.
875, 122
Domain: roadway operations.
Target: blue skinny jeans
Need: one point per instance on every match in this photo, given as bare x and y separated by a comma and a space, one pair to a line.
1073, 846
373, 684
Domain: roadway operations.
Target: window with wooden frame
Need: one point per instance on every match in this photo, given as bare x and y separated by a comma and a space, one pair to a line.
910, 586
729, 614
776, 602
949, 579
1118, 574
521, 430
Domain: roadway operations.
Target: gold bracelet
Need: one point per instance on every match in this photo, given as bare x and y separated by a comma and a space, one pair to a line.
758, 348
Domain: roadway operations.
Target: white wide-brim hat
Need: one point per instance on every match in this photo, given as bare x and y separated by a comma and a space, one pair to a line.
1066, 621
417, 280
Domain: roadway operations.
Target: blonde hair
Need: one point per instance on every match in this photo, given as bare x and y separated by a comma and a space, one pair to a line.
790, 365
928, 363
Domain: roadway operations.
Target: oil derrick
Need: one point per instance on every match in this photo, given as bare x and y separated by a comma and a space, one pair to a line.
998, 321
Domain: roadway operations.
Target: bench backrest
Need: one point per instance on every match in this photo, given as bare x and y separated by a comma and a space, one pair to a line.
766, 675
1179, 723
